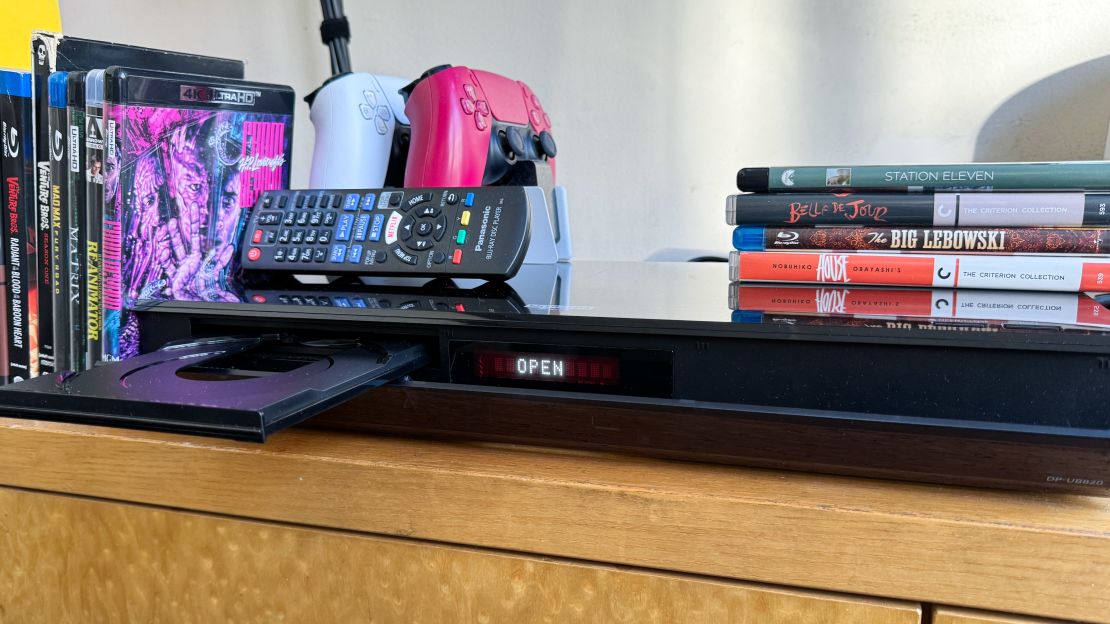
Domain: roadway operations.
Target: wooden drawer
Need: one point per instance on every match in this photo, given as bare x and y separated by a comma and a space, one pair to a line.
951, 615
69, 559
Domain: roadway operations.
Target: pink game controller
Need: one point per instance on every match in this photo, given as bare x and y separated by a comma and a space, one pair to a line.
470, 127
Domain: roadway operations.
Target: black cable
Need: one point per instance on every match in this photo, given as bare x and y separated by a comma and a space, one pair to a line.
335, 32
345, 53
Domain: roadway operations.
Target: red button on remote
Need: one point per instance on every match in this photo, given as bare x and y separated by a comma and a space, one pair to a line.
456, 258
257, 238
254, 254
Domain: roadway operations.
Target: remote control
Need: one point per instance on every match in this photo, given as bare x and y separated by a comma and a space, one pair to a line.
479, 232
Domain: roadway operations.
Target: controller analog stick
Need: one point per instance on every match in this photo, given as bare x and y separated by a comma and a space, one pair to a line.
547, 144
516, 142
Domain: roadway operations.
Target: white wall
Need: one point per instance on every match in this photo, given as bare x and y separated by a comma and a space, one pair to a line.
656, 104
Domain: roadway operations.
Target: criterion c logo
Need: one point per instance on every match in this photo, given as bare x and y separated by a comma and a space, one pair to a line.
788, 177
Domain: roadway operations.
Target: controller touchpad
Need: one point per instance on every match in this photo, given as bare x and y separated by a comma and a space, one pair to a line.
504, 96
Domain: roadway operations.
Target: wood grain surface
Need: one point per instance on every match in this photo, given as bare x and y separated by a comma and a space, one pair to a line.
951, 615
78, 560
1044, 555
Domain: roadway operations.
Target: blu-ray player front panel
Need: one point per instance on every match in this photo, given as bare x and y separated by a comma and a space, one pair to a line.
853, 404
572, 368
848, 379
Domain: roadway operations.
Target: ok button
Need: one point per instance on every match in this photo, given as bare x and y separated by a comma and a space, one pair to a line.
424, 227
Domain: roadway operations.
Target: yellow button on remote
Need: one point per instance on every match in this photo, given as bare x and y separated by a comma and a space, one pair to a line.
465, 219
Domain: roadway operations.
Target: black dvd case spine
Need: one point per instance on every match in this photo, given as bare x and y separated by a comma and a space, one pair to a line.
19, 207
59, 191
75, 216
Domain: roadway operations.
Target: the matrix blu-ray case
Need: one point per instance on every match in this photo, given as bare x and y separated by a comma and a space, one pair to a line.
185, 157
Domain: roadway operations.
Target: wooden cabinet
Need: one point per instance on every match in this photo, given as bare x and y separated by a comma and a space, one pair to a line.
440, 531
951, 615
76, 560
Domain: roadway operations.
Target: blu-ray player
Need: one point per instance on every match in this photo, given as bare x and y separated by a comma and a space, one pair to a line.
664, 358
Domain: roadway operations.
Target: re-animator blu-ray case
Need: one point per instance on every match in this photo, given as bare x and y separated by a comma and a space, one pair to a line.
186, 158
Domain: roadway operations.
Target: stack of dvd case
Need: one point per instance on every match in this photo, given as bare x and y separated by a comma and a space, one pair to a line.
128, 173
1034, 229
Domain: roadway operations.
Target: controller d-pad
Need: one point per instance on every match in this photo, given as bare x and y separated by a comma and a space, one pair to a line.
467, 106
480, 122
380, 125
384, 113
483, 107
537, 118
370, 97
468, 89
366, 111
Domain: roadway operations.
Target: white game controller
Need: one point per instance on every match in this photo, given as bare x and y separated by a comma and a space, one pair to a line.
361, 132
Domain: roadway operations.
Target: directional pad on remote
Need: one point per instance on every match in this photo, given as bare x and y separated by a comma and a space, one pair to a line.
404, 230
440, 228
419, 244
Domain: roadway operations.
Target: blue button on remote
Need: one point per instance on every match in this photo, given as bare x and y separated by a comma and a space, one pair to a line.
368, 201
469, 201
351, 201
354, 255
338, 252
362, 224
343, 229
376, 228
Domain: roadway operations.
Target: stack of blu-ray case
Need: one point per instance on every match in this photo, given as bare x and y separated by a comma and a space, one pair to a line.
1031, 228
131, 171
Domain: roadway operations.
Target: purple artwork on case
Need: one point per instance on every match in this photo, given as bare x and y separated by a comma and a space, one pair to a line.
182, 180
